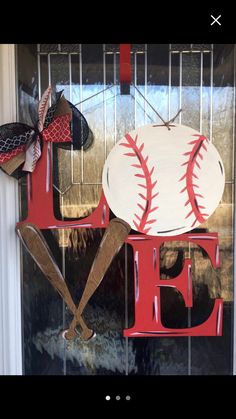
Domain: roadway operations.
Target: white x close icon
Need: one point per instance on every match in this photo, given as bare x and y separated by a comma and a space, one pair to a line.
215, 20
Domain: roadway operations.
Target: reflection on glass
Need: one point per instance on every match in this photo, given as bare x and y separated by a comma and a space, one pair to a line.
168, 80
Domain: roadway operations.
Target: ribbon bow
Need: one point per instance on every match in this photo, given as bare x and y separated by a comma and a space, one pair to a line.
25, 146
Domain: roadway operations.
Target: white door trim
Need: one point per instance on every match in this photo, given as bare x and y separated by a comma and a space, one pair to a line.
234, 215
10, 277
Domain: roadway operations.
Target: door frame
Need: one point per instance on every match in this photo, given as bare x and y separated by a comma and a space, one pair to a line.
10, 266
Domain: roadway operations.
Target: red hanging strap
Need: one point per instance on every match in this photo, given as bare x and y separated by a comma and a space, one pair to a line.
125, 68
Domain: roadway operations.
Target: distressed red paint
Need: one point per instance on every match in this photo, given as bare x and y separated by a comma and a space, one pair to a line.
147, 286
40, 199
125, 63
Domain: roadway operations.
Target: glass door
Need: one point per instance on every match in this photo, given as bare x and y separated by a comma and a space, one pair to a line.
200, 80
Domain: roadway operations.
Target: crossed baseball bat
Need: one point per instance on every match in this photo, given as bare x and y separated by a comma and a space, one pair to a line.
113, 239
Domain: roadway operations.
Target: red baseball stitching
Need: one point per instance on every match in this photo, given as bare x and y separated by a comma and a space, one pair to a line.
149, 186
198, 144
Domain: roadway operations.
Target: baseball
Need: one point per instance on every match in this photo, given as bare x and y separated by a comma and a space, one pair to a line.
163, 182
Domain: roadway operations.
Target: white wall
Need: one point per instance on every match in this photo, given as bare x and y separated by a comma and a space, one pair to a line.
10, 287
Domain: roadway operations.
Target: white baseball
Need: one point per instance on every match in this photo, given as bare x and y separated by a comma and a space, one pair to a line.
163, 182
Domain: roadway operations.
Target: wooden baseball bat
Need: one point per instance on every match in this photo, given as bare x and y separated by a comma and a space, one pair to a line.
38, 248
114, 237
